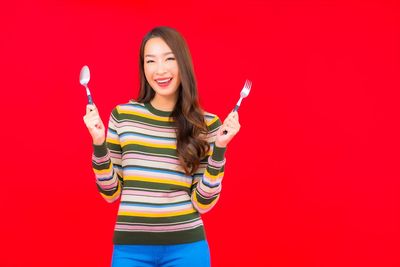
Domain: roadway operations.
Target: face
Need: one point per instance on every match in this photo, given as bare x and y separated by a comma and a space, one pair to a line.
161, 68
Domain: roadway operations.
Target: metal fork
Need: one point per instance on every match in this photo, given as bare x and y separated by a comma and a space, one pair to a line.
244, 93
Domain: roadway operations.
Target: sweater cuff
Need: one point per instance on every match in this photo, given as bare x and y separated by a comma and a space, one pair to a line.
218, 153
100, 150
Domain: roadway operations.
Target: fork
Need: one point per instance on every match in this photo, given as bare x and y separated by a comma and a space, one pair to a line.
243, 94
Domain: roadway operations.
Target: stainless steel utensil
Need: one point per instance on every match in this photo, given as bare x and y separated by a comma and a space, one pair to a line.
243, 94
84, 79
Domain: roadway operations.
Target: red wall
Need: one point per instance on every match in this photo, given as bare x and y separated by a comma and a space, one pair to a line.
312, 178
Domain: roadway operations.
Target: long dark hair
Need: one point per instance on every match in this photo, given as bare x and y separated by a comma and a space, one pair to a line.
187, 115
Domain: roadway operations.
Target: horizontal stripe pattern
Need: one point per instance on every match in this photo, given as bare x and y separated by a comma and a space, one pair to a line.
159, 228
139, 165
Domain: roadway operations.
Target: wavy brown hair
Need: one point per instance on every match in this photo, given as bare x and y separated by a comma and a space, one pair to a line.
187, 115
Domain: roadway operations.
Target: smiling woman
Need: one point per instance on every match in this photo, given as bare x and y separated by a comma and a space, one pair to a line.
164, 157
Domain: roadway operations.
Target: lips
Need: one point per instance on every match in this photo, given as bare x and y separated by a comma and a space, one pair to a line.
164, 82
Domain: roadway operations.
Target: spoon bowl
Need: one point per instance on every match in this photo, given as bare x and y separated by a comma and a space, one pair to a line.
84, 78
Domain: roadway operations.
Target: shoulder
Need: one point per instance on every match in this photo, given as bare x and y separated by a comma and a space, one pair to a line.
128, 108
212, 120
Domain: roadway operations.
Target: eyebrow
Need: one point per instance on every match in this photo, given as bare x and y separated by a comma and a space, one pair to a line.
162, 54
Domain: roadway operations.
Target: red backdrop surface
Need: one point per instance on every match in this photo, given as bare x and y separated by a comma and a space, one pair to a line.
312, 179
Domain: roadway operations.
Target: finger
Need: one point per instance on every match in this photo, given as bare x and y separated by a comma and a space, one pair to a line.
234, 114
235, 124
232, 131
93, 116
235, 117
90, 125
227, 120
232, 121
90, 108
100, 126
97, 123
222, 129
88, 119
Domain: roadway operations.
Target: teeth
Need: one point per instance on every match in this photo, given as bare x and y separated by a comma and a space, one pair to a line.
163, 81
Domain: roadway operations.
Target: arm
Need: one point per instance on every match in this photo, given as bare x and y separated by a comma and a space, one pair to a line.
207, 181
106, 162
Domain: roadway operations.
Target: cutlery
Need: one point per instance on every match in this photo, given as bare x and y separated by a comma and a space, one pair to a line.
243, 94
84, 79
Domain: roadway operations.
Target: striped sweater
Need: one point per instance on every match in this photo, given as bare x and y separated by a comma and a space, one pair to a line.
138, 163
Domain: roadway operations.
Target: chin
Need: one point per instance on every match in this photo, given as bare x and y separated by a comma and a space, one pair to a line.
166, 92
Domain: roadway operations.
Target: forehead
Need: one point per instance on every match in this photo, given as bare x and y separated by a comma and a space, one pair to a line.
156, 47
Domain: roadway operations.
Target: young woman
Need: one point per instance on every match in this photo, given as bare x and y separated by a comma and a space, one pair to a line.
163, 157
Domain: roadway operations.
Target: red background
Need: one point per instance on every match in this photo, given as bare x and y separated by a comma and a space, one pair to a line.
312, 178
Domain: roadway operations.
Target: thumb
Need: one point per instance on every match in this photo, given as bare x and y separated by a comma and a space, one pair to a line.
90, 108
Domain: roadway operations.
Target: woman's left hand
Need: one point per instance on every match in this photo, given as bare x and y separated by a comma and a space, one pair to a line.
231, 126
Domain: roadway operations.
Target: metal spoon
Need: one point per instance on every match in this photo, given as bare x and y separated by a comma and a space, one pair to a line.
84, 79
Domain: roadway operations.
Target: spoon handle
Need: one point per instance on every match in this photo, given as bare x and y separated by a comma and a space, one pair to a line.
90, 100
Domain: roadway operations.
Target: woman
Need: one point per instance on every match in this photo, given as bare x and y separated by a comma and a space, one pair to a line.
164, 157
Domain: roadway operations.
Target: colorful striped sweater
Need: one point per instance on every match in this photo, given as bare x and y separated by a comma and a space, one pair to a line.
138, 163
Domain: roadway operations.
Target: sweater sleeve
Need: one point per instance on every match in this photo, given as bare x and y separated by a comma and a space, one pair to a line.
106, 162
207, 181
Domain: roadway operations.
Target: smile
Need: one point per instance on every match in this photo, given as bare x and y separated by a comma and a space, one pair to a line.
164, 82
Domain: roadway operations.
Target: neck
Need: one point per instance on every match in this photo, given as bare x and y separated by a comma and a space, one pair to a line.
164, 103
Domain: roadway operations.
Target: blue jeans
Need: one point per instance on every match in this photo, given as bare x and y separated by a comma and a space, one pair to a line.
196, 254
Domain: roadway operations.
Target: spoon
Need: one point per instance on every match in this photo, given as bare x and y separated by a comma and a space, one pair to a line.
84, 79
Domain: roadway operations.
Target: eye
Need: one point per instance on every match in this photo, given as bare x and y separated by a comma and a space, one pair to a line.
171, 58
149, 61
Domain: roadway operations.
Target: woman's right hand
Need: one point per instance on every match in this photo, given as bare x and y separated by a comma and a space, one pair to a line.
94, 124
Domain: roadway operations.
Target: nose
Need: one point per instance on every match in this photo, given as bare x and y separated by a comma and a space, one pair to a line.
161, 68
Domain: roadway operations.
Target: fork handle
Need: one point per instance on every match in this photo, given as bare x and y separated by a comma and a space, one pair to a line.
234, 110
